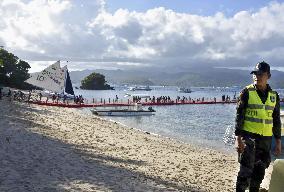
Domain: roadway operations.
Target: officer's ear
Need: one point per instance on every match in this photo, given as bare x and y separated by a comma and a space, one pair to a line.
269, 75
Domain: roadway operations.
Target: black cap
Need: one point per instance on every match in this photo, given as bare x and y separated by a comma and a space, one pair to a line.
260, 68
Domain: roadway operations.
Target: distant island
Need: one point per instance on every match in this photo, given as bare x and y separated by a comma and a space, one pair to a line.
197, 77
95, 81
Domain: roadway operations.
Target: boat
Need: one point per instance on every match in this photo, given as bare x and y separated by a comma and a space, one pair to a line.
53, 79
136, 110
184, 90
137, 95
136, 88
123, 112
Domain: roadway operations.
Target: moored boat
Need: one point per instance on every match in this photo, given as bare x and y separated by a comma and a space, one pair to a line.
137, 95
123, 112
136, 88
184, 90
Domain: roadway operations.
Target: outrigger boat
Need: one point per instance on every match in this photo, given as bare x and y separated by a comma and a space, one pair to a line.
184, 90
123, 112
137, 111
137, 95
136, 88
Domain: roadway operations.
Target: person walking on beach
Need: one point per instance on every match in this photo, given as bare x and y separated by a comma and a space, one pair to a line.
40, 96
257, 119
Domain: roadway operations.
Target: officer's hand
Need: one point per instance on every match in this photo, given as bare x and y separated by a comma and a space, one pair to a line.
240, 146
277, 147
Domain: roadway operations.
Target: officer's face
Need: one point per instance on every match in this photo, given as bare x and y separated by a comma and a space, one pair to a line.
260, 78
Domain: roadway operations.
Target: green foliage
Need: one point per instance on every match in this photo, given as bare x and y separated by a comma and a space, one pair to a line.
13, 71
95, 81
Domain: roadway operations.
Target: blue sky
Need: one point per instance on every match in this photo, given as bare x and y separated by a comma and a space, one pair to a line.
199, 7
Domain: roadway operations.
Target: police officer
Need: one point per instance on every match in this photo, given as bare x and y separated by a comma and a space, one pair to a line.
257, 119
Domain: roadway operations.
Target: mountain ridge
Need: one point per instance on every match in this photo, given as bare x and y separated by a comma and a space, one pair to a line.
221, 77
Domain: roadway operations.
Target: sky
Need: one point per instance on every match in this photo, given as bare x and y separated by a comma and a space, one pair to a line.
153, 34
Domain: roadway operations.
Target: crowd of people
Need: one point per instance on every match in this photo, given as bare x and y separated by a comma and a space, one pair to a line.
18, 95
183, 99
228, 98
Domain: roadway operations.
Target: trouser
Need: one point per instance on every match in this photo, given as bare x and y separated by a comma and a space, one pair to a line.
253, 162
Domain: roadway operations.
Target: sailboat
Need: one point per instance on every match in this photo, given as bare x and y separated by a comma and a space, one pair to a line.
53, 79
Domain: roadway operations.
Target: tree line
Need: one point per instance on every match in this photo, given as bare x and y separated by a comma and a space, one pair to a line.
95, 81
13, 71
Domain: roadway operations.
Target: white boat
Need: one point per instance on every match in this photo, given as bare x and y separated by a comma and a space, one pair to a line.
184, 90
137, 95
136, 88
123, 112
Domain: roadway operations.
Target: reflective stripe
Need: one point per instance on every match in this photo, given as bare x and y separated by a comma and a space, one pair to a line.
257, 106
256, 120
267, 121
258, 114
267, 107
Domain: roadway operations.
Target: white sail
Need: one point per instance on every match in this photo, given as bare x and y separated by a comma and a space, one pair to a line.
63, 75
52, 78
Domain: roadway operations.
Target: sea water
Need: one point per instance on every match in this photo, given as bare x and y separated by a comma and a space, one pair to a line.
199, 124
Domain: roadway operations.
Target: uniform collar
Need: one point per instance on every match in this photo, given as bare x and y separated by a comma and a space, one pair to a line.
268, 88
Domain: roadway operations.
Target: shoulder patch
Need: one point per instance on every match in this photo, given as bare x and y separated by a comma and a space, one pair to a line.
272, 98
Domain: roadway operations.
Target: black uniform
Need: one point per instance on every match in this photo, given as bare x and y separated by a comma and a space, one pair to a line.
256, 156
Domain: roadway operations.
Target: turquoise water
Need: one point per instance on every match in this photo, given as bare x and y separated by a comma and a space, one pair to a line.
203, 125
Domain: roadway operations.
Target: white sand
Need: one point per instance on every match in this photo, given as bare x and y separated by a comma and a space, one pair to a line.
59, 149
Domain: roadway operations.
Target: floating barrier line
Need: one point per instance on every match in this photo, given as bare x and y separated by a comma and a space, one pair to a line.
73, 105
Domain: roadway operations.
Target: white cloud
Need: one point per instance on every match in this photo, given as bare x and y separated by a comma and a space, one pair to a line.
25, 25
84, 31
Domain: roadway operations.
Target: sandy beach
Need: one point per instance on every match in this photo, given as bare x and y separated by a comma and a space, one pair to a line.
59, 149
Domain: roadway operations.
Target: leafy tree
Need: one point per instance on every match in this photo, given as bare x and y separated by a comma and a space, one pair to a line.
95, 81
13, 71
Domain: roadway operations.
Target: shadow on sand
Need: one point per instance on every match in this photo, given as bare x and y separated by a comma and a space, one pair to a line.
32, 162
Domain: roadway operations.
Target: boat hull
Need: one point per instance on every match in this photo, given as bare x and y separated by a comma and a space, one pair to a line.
122, 112
184, 90
147, 88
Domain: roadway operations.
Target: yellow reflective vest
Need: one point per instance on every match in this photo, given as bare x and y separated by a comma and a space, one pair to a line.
258, 116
